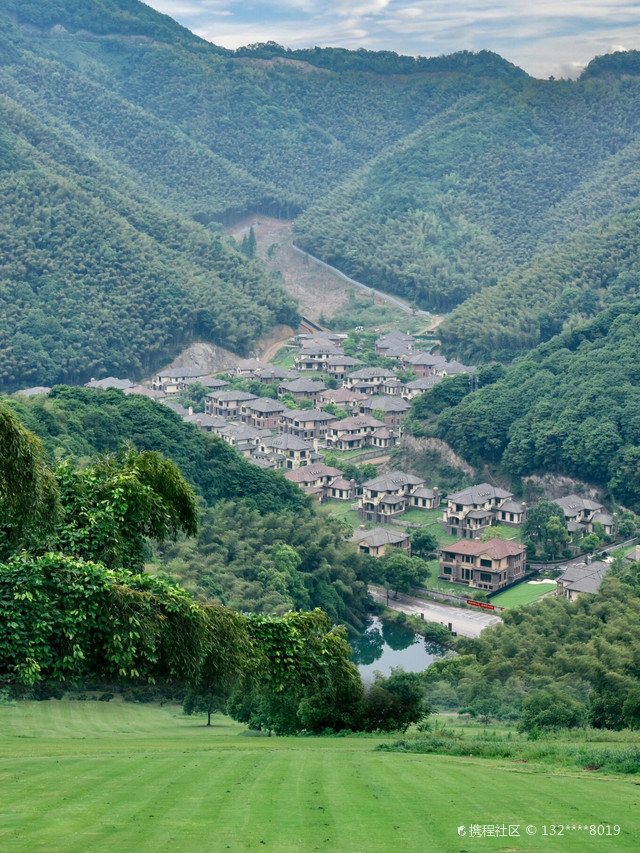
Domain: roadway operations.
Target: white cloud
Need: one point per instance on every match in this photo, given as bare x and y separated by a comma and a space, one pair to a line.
542, 36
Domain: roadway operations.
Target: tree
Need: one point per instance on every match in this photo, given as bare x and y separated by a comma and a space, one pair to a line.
63, 618
204, 701
551, 709
626, 524
423, 543
227, 653
111, 508
401, 572
535, 527
302, 666
590, 543
394, 703
28, 494
557, 535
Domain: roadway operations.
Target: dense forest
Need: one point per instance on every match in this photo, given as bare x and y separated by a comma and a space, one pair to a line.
570, 406
261, 546
553, 664
510, 178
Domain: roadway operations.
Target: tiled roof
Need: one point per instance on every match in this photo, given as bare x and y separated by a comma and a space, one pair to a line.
182, 372
265, 406
372, 373
387, 404
392, 481
294, 385
478, 494
309, 473
497, 549
355, 422
231, 396
382, 536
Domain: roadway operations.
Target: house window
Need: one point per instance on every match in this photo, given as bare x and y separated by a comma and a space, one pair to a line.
484, 576
486, 564
446, 570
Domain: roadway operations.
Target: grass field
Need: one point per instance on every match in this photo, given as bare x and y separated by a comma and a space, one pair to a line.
421, 516
340, 509
523, 593
91, 776
285, 357
504, 531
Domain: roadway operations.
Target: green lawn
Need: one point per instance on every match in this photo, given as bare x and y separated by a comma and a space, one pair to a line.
285, 357
90, 776
353, 455
523, 593
504, 531
433, 582
340, 509
421, 516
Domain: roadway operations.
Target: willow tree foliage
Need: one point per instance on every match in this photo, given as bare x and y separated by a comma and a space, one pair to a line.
111, 508
28, 494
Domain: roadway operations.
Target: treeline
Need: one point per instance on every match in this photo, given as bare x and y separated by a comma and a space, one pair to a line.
482, 62
80, 422
570, 406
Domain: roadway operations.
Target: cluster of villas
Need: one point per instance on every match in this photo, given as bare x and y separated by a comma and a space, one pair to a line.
367, 407
489, 565
372, 402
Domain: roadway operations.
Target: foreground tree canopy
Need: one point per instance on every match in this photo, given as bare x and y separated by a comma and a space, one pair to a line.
75, 606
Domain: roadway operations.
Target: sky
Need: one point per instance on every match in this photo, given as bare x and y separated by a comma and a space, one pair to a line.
545, 37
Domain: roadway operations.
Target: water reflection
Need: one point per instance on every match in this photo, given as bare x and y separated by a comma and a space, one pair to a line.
384, 645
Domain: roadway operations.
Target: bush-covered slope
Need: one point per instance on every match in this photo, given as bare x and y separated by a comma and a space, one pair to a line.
261, 546
571, 406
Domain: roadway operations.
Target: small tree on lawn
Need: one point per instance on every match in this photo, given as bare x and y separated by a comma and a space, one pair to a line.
402, 572
423, 543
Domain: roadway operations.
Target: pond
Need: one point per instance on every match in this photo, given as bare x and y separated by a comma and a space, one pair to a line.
384, 645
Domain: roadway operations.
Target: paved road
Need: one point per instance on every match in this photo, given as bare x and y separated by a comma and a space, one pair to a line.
468, 623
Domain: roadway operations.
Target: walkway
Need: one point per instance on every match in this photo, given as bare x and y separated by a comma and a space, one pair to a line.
468, 623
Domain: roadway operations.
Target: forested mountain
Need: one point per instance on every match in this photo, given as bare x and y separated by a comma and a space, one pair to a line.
122, 133
97, 279
505, 179
126, 141
570, 406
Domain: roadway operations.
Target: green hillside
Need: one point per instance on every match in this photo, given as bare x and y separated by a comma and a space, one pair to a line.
505, 178
247, 513
569, 406
122, 133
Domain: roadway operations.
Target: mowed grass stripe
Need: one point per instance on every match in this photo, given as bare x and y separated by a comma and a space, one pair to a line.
211, 789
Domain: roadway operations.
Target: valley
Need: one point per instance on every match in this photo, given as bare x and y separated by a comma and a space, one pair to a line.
294, 343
